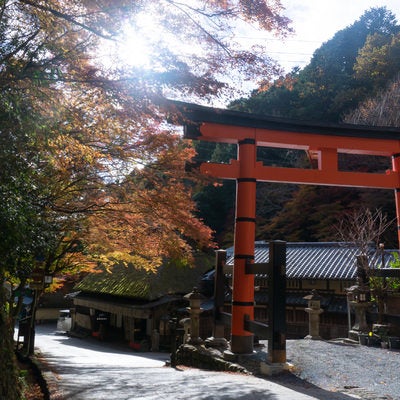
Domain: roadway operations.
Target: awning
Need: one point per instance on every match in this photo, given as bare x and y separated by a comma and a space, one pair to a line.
128, 310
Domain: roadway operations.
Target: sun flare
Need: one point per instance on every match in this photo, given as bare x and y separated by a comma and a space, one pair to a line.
135, 49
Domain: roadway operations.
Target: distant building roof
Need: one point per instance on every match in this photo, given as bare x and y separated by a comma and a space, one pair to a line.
319, 260
135, 283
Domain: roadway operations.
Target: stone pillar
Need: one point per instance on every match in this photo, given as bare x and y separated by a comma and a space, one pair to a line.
185, 322
360, 311
313, 310
194, 309
155, 340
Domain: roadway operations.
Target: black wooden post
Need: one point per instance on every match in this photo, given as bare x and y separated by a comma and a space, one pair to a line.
219, 317
277, 302
30, 340
219, 293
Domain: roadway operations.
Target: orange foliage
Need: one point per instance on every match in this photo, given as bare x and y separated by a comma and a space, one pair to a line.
111, 170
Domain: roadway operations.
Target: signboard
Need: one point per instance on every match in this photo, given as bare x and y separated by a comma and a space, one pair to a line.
37, 277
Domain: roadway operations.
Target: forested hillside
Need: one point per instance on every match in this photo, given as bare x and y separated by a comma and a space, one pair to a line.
352, 78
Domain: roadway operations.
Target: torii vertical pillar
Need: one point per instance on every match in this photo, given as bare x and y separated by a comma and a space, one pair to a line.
321, 142
243, 284
396, 168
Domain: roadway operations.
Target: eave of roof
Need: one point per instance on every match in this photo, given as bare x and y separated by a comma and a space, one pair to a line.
319, 260
329, 301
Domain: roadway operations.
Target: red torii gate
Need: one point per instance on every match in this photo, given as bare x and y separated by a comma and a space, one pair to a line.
323, 144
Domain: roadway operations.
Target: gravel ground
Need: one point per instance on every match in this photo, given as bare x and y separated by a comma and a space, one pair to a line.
357, 371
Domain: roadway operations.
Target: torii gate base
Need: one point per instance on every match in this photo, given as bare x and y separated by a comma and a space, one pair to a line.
321, 143
275, 330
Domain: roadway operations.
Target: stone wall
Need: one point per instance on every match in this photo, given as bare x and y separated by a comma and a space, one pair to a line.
205, 358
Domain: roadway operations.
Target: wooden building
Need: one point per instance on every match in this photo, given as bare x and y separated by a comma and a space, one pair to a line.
132, 304
329, 268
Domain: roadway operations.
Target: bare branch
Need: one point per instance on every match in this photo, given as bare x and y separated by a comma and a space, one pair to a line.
208, 34
20, 47
362, 227
68, 18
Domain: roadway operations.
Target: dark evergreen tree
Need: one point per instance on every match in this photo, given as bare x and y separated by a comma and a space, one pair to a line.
327, 87
355, 64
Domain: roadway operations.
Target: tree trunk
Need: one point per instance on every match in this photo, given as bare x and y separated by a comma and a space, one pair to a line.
10, 388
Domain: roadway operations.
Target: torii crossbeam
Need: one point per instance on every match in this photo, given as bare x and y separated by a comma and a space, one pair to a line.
323, 144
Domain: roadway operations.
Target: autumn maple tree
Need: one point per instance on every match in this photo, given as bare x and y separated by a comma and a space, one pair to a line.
89, 169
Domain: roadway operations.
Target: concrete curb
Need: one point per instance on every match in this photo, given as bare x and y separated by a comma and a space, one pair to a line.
48, 379
38, 372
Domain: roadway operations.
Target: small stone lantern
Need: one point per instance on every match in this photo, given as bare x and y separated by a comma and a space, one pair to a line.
358, 300
313, 310
358, 294
194, 309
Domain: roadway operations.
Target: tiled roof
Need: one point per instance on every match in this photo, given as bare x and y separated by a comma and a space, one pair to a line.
322, 260
131, 282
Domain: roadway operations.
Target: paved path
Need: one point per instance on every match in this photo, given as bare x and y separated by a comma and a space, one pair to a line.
86, 369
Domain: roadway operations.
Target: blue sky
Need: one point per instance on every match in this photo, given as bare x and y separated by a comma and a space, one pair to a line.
315, 22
